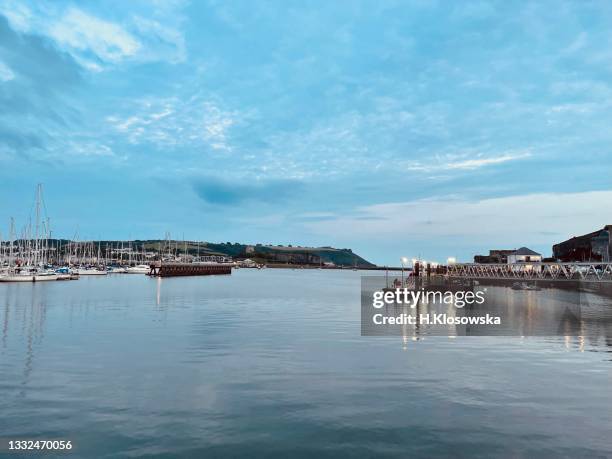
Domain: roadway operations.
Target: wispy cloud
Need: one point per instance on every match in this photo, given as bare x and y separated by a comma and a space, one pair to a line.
481, 162
89, 149
451, 162
6, 74
161, 42
96, 41
80, 31
174, 122
17, 13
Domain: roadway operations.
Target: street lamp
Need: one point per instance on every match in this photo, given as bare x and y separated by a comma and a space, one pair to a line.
403, 261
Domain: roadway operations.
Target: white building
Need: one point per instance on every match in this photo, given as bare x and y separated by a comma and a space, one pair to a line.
524, 255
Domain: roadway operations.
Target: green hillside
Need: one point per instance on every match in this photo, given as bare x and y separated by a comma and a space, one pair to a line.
272, 254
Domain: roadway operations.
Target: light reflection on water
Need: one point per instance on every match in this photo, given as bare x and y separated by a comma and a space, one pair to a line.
554, 309
272, 363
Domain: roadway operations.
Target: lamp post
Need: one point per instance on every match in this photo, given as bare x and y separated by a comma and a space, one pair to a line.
403, 261
450, 261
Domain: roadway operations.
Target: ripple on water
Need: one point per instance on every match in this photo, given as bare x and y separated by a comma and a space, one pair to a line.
272, 363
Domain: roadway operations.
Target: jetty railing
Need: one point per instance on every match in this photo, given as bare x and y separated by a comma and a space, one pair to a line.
572, 271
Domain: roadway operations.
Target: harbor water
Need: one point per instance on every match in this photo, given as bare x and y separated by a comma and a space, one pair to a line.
271, 363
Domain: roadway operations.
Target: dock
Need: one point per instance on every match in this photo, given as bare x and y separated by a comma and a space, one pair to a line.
159, 269
549, 271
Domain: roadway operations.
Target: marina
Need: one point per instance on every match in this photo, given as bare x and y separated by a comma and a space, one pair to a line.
36, 257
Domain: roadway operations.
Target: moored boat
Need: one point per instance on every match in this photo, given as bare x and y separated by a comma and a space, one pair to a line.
26, 274
91, 271
117, 270
139, 269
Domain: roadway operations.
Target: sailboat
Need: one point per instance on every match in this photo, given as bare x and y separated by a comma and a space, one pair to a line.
33, 253
140, 267
28, 259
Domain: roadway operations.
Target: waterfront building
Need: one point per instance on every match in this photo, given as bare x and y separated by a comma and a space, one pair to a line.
595, 246
503, 256
495, 256
524, 255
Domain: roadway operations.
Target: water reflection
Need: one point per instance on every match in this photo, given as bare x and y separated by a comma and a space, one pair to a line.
548, 310
272, 361
23, 320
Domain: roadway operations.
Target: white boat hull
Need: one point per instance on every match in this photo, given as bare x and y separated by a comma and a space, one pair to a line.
33, 278
138, 270
90, 272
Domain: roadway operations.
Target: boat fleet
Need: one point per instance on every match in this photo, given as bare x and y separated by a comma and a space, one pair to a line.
40, 259
34, 257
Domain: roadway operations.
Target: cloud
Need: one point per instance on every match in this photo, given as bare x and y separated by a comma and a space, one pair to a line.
146, 33
315, 216
22, 140
481, 162
161, 42
451, 162
82, 32
6, 74
176, 122
502, 221
473, 99
88, 149
216, 123
34, 96
18, 14
238, 191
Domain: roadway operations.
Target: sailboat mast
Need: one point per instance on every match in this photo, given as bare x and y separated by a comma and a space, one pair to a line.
37, 225
12, 238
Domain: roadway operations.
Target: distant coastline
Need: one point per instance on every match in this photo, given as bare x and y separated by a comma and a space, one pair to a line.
274, 256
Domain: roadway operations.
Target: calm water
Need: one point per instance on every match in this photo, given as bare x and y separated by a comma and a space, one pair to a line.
271, 363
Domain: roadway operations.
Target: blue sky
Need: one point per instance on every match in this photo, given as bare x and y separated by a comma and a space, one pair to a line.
394, 128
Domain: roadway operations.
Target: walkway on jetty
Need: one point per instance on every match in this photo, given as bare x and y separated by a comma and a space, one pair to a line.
589, 271
159, 269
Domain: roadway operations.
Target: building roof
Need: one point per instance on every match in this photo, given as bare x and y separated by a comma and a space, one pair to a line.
585, 238
525, 251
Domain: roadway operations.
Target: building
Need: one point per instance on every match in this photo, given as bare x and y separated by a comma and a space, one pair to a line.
595, 246
524, 255
495, 256
297, 257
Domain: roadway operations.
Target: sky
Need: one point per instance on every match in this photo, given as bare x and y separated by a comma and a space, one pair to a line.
396, 128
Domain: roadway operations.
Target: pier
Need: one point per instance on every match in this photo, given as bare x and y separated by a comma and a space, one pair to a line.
159, 269
572, 271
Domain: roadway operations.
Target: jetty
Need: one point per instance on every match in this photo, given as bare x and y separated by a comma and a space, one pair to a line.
570, 271
165, 269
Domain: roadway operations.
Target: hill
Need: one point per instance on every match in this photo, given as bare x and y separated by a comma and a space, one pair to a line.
268, 254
